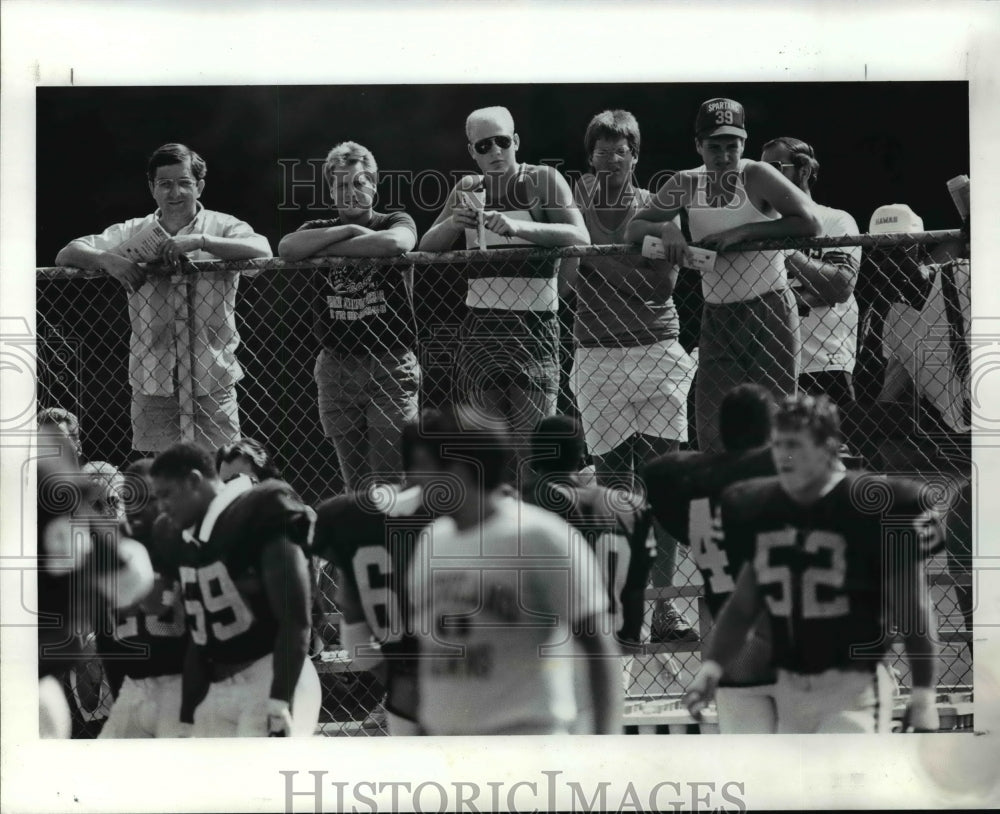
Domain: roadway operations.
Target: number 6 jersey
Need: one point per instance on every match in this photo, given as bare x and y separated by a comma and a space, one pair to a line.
371, 545
828, 570
227, 608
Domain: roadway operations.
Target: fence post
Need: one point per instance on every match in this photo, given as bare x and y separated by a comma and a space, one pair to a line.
183, 349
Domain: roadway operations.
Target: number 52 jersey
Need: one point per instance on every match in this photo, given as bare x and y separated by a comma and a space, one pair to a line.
828, 570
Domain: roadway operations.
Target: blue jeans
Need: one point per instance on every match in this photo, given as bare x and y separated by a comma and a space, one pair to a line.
364, 400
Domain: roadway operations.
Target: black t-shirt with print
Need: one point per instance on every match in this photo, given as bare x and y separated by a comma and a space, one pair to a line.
363, 307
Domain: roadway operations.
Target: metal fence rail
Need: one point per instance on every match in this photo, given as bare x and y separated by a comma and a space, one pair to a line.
83, 328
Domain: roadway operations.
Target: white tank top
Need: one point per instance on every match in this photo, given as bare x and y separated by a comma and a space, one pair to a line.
737, 276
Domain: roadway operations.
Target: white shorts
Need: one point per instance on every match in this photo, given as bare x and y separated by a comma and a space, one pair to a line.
746, 710
147, 708
624, 391
237, 706
837, 701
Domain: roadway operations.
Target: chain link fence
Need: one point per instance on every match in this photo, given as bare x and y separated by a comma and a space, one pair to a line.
904, 331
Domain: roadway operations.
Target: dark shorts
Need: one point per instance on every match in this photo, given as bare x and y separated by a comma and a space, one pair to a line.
754, 341
508, 363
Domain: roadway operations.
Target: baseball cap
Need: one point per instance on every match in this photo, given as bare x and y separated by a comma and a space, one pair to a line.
894, 218
720, 117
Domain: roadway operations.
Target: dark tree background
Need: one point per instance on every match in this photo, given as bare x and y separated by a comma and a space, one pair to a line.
880, 142
877, 143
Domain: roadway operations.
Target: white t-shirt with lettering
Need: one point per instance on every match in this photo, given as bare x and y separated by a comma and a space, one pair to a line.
493, 608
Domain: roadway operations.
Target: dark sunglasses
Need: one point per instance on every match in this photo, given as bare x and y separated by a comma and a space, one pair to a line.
780, 165
483, 146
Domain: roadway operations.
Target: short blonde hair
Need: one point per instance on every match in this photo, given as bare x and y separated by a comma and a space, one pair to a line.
346, 153
497, 112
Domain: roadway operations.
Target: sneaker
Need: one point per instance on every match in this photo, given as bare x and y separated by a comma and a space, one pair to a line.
669, 625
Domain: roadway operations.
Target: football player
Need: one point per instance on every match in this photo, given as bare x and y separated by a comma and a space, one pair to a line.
614, 523
505, 597
369, 536
245, 586
76, 567
683, 489
143, 647
838, 561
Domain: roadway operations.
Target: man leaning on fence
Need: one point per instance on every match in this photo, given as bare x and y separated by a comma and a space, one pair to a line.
823, 281
367, 372
750, 324
180, 229
509, 357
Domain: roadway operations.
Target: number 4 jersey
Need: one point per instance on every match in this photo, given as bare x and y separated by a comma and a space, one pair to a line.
828, 570
371, 543
228, 612
684, 490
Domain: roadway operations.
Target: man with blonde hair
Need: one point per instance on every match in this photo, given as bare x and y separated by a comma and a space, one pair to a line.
509, 356
367, 372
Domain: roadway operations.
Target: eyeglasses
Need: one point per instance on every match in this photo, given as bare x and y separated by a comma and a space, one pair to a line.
186, 184
779, 165
621, 152
483, 146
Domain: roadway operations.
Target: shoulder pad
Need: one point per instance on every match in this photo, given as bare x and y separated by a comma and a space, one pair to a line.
747, 496
332, 517
272, 508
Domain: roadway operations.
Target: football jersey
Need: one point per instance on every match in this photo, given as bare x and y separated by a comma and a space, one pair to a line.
827, 570
372, 546
616, 525
228, 613
494, 606
139, 644
683, 489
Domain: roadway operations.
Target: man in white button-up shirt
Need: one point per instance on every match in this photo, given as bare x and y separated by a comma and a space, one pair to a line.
176, 176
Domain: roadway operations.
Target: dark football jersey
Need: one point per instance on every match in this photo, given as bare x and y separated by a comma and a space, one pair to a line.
616, 525
828, 570
139, 644
683, 489
371, 546
225, 601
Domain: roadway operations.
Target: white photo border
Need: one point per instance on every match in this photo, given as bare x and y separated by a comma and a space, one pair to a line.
171, 43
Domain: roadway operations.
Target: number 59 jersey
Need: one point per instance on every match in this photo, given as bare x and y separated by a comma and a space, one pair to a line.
228, 612
829, 571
